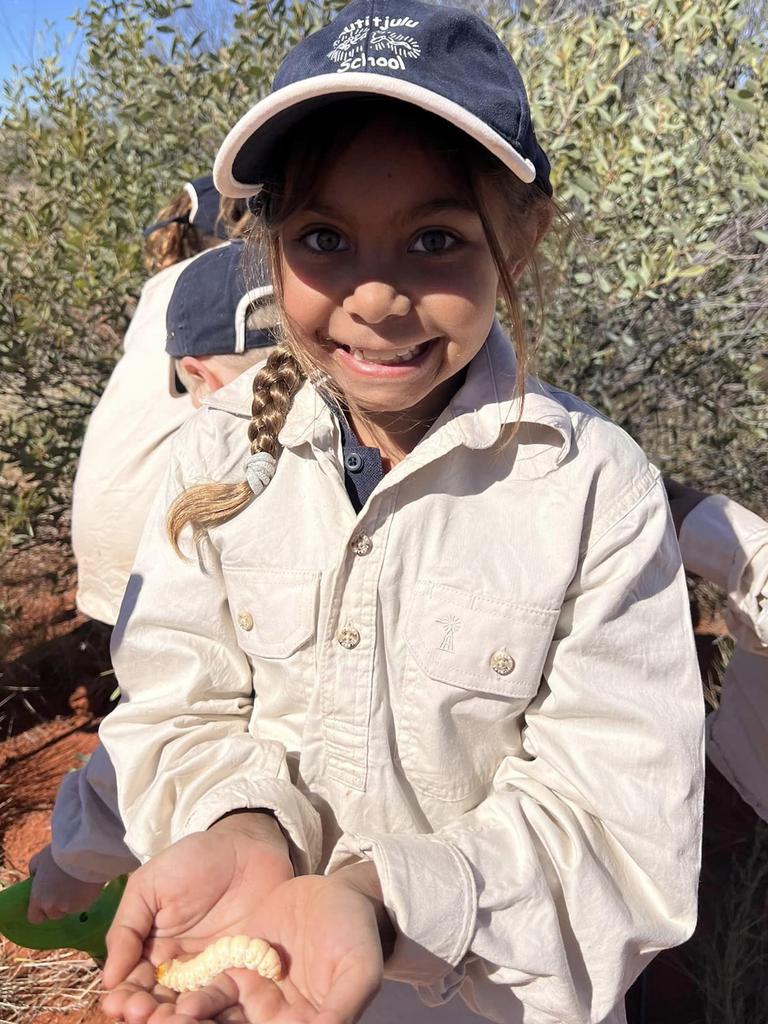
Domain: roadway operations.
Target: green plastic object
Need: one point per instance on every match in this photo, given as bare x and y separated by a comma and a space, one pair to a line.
85, 931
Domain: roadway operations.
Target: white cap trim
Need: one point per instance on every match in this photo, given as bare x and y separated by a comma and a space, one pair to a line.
338, 83
189, 188
241, 313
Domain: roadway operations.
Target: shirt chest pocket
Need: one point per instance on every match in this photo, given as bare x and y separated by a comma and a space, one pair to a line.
274, 612
473, 665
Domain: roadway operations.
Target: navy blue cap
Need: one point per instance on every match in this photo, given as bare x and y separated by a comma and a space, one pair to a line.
208, 309
441, 59
203, 212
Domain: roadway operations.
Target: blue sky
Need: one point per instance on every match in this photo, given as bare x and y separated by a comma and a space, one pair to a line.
23, 34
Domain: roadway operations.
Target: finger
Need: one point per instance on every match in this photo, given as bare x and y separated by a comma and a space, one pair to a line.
237, 995
167, 1013
137, 1008
218, 995
141, 981
35, 913
125, 939
34, 861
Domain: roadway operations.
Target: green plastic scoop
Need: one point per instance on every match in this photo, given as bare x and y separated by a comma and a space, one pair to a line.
85, 931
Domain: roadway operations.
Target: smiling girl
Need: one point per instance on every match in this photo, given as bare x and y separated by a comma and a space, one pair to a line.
419, 704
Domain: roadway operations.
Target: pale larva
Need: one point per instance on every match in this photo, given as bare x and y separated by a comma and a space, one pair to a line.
229, 951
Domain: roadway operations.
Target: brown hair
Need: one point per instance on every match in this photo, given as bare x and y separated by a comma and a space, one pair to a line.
235, 216
494, 190
176, 241
181, 240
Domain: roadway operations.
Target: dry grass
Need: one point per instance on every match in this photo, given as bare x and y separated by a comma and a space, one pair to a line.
38, 983
33, 984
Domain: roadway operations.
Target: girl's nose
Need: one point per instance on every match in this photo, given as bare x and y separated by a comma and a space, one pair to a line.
374, 301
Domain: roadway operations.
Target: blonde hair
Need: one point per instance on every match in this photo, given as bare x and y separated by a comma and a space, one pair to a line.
323, 136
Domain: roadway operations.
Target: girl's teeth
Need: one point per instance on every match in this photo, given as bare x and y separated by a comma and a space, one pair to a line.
395, 357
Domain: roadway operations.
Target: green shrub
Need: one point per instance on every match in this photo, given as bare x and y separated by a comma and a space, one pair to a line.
654, 115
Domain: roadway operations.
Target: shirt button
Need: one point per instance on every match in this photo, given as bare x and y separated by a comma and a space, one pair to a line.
348, 637
362, 544
245, 621
502, 662
353, 462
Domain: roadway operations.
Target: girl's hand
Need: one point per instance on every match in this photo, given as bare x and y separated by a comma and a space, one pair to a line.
207, 885
333, 935
54, 892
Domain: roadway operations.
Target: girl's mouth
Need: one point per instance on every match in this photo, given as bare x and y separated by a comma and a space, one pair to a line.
368, 359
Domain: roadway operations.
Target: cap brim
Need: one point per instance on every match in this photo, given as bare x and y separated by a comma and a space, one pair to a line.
244, 160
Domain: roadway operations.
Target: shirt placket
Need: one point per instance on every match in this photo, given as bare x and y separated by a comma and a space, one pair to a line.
348, 665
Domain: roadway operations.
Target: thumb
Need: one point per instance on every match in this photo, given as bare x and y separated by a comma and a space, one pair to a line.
34, 862
35, 912
125, 939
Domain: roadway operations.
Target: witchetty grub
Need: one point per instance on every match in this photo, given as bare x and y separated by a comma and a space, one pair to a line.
228, 951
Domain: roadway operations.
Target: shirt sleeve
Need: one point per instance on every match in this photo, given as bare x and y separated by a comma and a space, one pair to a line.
545, 901
180, 738
87, 832
727, 544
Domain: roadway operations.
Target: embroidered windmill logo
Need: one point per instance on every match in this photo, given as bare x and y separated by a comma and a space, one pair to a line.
451, 625
388, 48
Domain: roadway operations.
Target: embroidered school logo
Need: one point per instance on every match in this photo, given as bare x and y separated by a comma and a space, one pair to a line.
389, 48
451, 625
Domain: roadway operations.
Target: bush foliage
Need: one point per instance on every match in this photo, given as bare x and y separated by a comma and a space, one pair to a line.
655, 118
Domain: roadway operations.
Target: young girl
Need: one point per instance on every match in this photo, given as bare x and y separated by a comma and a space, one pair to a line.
419, 704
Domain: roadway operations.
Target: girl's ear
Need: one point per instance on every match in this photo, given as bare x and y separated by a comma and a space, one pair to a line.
539, 223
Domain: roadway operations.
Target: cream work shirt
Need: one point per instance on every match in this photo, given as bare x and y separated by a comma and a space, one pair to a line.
485, 682
727, 544
125, 454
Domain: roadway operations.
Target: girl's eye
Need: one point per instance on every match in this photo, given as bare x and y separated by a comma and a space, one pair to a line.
324, 240
434, 240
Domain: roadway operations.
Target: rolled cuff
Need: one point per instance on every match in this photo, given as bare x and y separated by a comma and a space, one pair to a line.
295, 814
429, 891
87, 836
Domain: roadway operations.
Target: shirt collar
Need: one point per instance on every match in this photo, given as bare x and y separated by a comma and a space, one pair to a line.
479, 410
307, 415
487, 402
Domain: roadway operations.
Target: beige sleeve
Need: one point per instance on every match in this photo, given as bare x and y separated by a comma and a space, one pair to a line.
727, 544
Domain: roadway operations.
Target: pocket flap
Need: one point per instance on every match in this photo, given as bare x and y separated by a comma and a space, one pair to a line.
478, 642
273, 610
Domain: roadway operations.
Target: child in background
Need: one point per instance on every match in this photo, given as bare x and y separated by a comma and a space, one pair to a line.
216, 327
419, 705
725, 543
189, 224
115, 481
